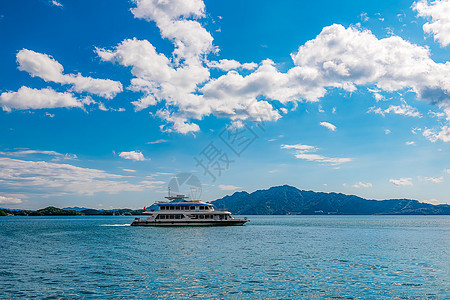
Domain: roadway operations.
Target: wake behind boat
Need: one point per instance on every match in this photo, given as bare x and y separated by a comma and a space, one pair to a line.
179, 211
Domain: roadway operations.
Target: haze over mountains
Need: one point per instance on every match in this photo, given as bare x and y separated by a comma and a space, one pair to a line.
282, 200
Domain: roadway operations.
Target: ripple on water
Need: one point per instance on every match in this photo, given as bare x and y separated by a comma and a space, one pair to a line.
281, 257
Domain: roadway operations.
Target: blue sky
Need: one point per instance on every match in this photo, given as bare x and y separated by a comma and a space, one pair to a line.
103, 103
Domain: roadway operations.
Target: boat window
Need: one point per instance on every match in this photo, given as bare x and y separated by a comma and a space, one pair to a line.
162, 207
192, 207
172, 208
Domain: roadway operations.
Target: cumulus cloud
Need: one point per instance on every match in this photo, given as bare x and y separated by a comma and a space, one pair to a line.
191, 40
362, 185
439, 13
224, 187
231, 64
41, 176
132, 155
28, 98
303, 152
401, 181
339, 57
328, 125
46, 67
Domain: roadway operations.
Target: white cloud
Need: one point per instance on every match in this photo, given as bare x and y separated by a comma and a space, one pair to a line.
403, 109
364, 17
299, 147
401, 181
133, 155
57, 156
433, 179
376, 94
46, 67
28, 98
9, 200
56, 3
224, 187
338, 57
433, 201
303, 152
362, 185
322, 159
410, 143
387, 131
328, 125
347, 57
129, 170
191, 40
439, 13
160, 141
231, 64
41, 176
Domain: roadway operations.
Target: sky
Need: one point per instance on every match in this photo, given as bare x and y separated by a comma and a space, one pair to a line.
104, 104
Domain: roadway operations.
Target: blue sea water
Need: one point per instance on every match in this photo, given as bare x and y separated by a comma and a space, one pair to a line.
277, 257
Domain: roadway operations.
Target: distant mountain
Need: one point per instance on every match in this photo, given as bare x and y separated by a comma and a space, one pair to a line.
76, 208
54, 211
70, 211
282, 200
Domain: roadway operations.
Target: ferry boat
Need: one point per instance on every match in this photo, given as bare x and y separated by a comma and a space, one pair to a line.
178, 211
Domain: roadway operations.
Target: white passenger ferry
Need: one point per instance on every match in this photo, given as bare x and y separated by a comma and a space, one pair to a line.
178, 211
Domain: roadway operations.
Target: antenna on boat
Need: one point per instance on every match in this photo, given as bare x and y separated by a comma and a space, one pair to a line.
169, 190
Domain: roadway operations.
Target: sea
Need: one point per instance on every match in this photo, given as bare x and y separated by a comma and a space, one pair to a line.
271, 257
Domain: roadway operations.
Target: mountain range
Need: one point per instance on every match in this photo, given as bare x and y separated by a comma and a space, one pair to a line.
283, 200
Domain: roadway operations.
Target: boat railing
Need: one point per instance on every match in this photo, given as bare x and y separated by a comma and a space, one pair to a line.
220, 209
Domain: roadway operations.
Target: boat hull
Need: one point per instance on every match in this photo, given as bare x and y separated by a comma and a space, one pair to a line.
234, 222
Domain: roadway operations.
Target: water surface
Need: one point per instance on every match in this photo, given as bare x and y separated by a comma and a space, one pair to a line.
289, 257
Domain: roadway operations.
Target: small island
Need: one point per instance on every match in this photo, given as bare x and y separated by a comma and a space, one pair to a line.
54, 211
